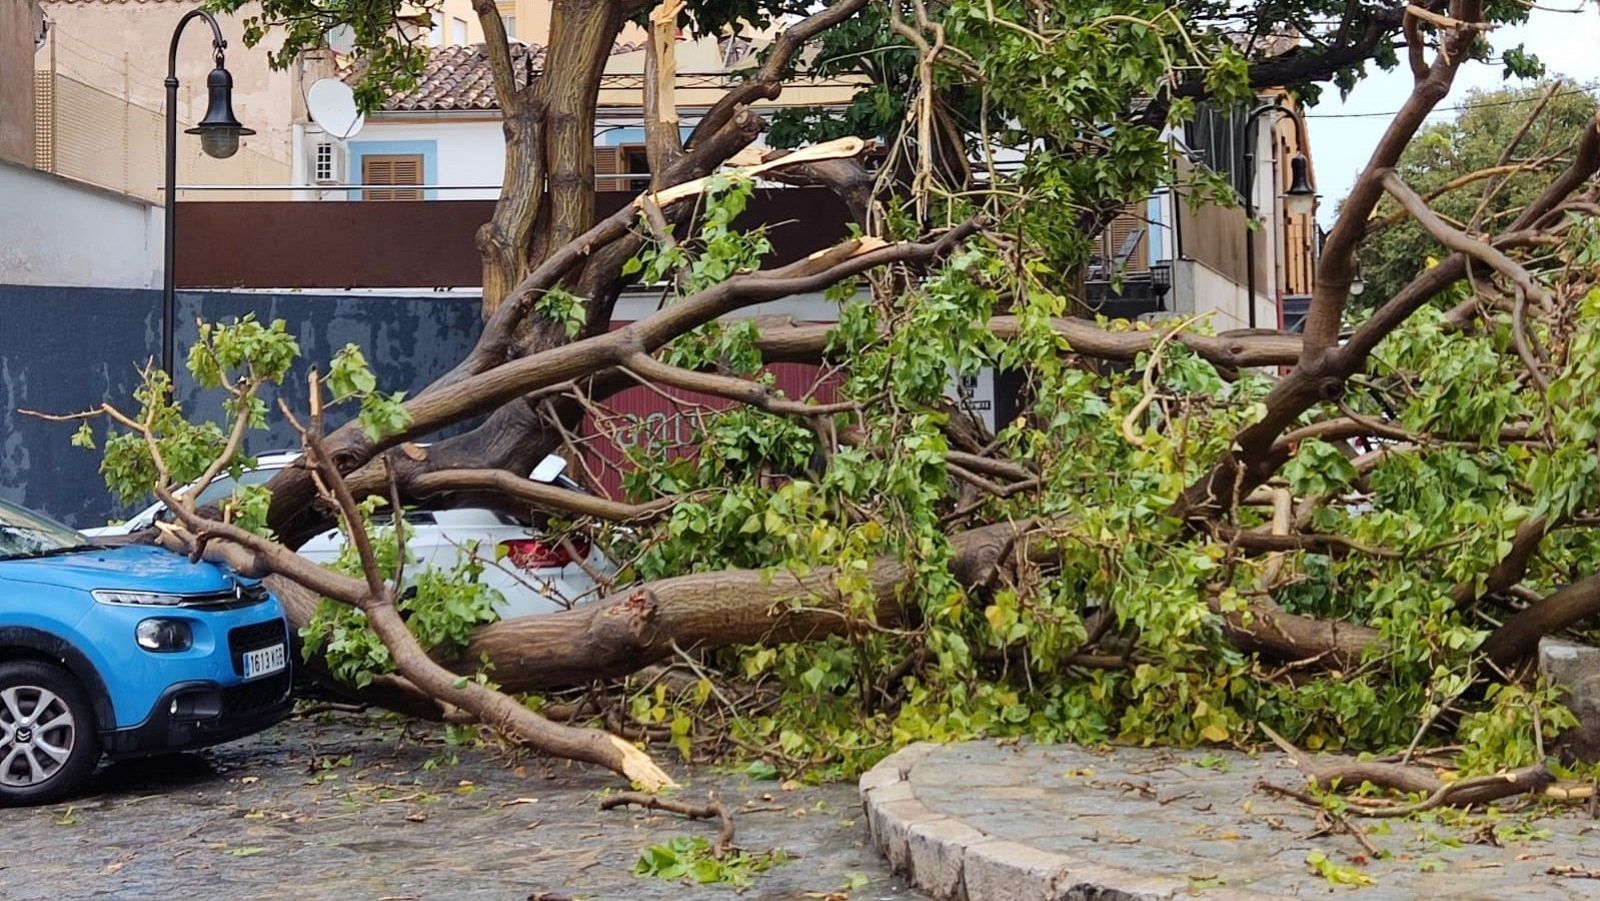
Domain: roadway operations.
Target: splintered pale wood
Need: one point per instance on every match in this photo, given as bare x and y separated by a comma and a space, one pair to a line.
664, 34
837, 149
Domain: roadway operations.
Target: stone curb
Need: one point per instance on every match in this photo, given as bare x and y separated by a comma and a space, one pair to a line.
955, 862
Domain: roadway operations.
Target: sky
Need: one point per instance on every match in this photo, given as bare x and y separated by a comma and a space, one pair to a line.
1341, 139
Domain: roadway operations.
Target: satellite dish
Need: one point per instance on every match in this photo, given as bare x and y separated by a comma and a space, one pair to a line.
332, 105
341, 38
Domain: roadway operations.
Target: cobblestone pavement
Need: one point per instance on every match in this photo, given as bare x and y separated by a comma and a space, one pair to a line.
1018, 822
363, 807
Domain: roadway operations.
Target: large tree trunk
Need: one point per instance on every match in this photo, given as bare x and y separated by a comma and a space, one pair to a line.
547, 193
647, 623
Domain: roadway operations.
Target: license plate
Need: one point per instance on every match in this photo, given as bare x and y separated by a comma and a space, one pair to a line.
265, 661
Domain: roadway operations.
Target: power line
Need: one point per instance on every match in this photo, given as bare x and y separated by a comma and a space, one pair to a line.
1581, 89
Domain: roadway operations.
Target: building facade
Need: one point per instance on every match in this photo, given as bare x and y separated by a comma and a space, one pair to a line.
1168, 256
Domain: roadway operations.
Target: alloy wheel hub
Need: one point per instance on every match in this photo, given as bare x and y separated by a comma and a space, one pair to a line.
37, 735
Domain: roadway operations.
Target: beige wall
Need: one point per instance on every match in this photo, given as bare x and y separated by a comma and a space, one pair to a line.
19, 21
121, 49
531, 26
697, 62
450, 11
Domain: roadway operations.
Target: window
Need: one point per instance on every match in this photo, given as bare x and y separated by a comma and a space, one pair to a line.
436, 36
323, 169
509, 17
458, 31
1215, 139
392, 169
626, 159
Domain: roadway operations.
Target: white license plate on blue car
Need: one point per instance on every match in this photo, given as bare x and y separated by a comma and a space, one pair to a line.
266, 661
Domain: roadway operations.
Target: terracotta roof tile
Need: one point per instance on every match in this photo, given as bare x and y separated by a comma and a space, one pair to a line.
460, 78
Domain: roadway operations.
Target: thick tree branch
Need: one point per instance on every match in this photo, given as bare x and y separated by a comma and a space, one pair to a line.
497, 45
1519, 636
1525, 285
1325, 365
1230, 350
1336, 269
756, 394
535, 494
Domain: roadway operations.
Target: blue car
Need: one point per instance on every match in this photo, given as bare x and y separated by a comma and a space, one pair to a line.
124, 651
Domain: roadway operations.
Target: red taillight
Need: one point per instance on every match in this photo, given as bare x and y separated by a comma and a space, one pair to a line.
542, 553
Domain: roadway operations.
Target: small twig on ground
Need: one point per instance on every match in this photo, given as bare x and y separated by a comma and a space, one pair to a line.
1344, 823
692, 811
1572, 872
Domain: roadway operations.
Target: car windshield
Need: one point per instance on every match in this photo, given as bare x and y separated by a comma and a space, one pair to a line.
224, 485
25, 534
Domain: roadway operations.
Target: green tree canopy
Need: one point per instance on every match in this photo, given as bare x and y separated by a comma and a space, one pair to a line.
1479, 168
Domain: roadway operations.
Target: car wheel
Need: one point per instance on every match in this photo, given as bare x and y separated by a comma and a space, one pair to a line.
49, 741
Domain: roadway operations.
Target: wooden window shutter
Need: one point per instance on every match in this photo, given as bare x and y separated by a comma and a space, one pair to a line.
609, 161
396, 169
1121, 230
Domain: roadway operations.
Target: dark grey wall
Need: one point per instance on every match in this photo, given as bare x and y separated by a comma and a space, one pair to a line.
63, 350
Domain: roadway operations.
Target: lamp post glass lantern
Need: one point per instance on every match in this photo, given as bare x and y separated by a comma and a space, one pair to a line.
219, 132
1299, 200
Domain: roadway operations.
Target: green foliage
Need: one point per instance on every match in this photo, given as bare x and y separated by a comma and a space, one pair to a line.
995, 661
350, 378
1473, 141
390, 40
224, 352
717, 250
564, 308
392, 58
441, 606
238, 358
1083, 88
689, 859
1513, 730
1318, 469
1335, 873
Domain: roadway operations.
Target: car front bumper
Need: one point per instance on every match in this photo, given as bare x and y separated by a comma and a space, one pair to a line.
199, 714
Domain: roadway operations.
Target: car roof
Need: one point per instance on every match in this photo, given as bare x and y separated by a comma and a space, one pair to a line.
456, 516
276, 459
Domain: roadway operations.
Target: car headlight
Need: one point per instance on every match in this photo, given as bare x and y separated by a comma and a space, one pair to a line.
139, 598
163, 635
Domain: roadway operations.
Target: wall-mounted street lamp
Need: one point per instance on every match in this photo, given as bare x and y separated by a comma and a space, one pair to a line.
1299, 200
219, 133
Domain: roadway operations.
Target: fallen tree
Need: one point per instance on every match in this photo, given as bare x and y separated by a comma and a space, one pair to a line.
1168, 544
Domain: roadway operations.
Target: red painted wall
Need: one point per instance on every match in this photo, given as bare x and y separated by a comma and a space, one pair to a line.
660, 415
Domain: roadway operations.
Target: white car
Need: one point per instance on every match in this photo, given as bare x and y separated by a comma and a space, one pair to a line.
532, 573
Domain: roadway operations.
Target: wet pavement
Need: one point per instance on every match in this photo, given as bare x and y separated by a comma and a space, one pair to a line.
1018, 821
366, 807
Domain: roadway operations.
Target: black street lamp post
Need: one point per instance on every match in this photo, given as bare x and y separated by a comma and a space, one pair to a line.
219, 135
1300, 199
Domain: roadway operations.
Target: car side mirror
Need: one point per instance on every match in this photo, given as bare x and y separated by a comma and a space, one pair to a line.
549, 469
